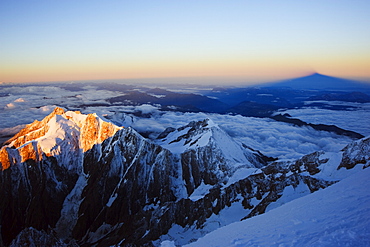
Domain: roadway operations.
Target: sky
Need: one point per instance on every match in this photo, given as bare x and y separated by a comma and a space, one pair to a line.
222, 41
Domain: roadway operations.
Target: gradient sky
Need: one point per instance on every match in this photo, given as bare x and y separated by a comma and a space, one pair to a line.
228, 41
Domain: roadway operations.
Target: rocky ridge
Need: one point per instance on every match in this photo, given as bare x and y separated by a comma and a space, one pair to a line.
57, 134
88, 182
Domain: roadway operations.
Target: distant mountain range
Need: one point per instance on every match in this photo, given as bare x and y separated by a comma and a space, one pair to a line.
318, 81
259, 101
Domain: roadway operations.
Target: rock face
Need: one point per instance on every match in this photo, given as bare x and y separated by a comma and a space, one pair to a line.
76, 180
357, 152
32, 237
208, 154
126, 174
59, 134
40, 166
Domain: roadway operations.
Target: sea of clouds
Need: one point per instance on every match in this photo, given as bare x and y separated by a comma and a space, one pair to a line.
20, 105
272, 138
355, 119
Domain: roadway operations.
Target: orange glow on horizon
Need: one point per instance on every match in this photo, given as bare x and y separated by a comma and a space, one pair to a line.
222, 70
251, 42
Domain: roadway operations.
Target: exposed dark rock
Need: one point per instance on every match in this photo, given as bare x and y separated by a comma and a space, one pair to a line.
309, 163
321, 127
30, 196
165, 133
356, 153
125, 190
33, 237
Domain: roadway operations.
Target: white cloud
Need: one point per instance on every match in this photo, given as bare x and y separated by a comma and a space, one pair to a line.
270, 137
10, 106
146, 109
25, 104
34, 90
19, 100
11, 117
7, 133
355, 120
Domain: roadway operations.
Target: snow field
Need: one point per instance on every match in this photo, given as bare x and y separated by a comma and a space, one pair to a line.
336, 216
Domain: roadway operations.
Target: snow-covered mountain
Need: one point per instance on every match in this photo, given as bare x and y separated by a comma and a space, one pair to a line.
74, 179
208, 155
336, 216
60, 134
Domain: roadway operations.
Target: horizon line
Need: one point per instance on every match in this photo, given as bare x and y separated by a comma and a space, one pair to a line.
202, 80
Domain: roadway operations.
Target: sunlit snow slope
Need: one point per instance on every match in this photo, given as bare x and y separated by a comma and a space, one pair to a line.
336, 216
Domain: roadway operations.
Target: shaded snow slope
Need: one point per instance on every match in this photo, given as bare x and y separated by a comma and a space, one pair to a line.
199, 134
251, 193
208, 155
336, 216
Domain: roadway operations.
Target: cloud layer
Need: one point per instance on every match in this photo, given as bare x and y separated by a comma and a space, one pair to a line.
356, 119
270, 137
22, 105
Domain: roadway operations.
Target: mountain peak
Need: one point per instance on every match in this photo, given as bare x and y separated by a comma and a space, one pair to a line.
36, 128
58, 110
57, 131
317, 81
194, 134
206, 134
316, 74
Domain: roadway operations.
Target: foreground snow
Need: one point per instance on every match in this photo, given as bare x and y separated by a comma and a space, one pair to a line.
336, 216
